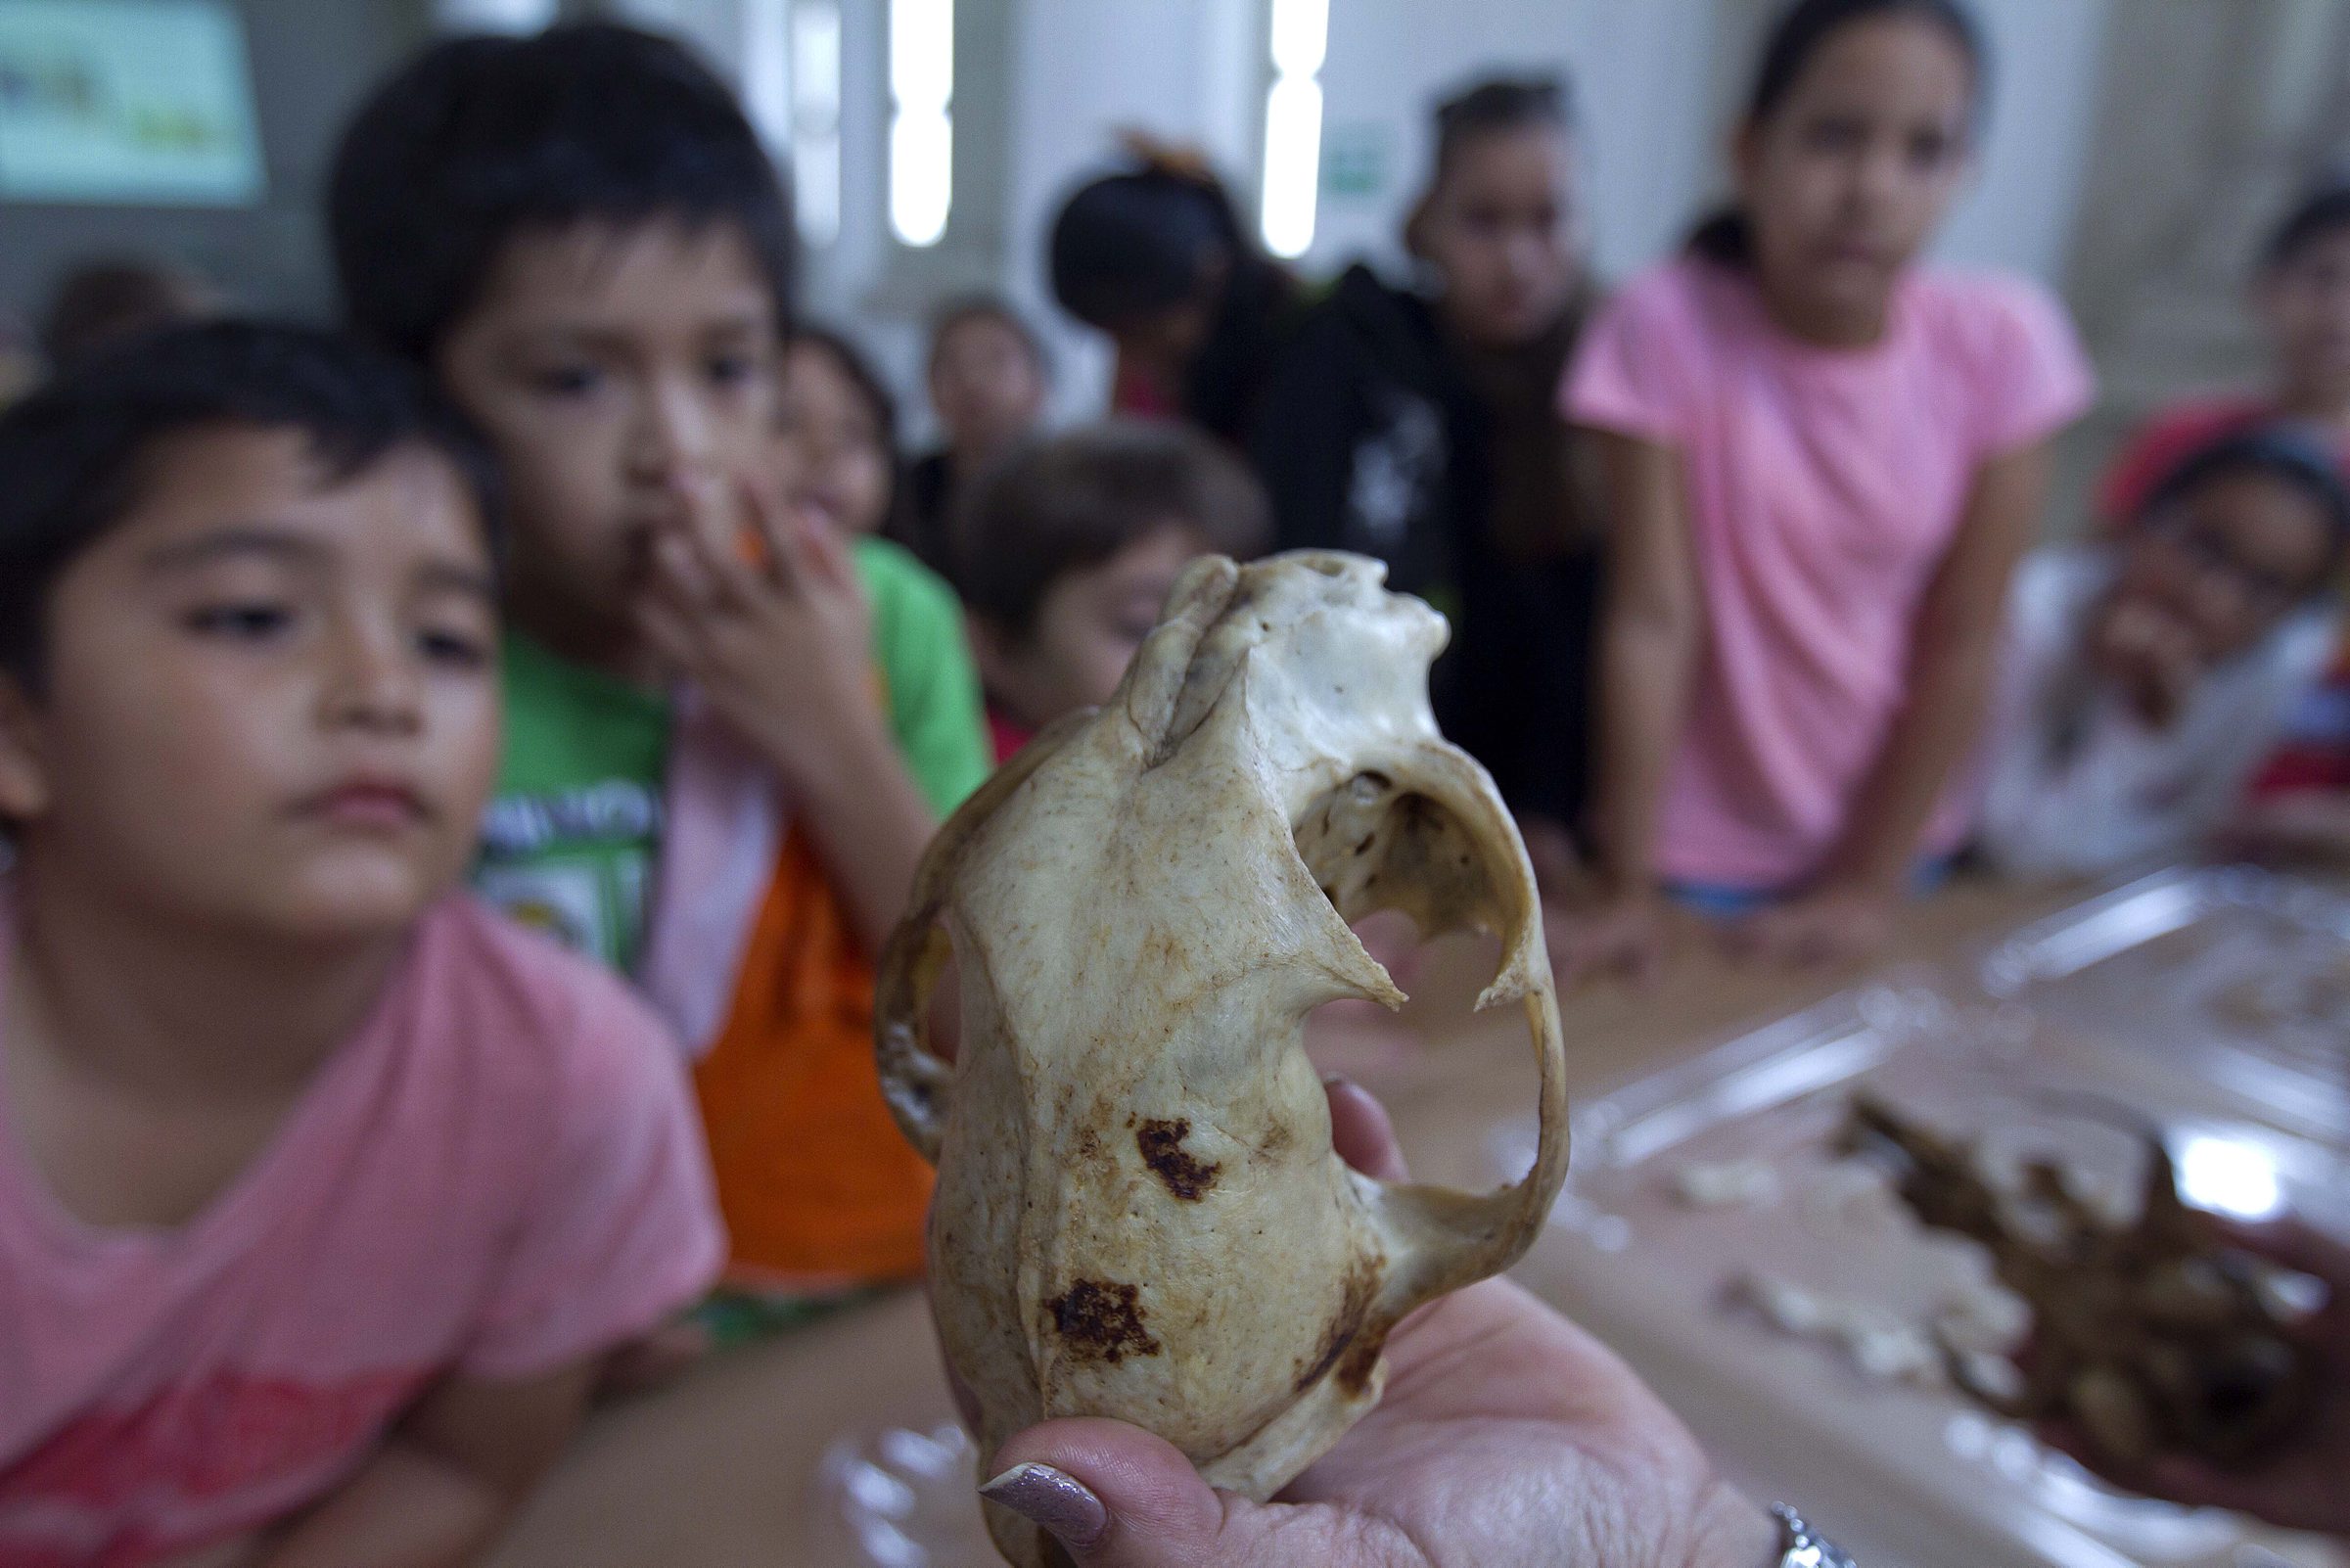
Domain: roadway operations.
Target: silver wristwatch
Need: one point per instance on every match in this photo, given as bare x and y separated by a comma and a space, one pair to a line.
1801, 1546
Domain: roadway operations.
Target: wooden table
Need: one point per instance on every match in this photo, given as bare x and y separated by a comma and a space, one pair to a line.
718, 1469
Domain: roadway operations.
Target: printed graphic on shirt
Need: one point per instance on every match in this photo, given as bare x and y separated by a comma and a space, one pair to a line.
190, 1466
574, 864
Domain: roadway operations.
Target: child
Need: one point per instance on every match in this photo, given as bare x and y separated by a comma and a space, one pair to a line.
1157, 257
837, 445
99, 304
1420, 425
580, 233
1073, 545
2147, 677
2302, 295
1822, 461
323, 1191
986, 388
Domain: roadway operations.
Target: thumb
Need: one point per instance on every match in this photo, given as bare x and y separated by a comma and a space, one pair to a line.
1116, 1496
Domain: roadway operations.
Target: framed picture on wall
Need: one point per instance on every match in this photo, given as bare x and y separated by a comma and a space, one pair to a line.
126, 102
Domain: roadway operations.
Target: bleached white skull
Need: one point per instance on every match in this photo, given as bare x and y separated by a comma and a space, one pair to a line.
1139, 1212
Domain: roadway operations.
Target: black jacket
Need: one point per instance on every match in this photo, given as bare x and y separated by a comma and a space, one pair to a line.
1378, 436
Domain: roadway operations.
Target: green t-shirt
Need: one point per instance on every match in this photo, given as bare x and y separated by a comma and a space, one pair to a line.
570, 838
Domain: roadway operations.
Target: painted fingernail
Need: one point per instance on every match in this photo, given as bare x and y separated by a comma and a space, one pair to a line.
1053, 1499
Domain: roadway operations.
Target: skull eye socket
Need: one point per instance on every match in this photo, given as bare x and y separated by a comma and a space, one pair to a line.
1375, 844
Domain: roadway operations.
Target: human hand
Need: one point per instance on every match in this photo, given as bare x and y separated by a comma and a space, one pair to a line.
760, 608
2301, 1487
1623, 933
1834, 923
1507, 1438
2150, 656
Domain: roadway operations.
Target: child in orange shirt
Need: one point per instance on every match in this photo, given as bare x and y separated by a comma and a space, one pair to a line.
581, 234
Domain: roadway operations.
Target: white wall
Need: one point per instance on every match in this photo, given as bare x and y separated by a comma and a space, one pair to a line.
1639, 80
2046, 59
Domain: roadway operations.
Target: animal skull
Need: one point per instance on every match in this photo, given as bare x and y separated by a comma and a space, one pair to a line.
1139, 1212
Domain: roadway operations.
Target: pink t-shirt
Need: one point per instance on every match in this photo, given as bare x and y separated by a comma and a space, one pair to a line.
1823, 489
498, 1176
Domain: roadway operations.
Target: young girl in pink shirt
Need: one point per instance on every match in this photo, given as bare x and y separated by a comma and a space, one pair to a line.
1822, 460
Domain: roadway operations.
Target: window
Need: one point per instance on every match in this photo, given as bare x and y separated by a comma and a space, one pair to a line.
815, 139
1293, 124
921, 119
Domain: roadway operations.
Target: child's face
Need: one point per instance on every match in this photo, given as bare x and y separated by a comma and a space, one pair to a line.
269, 703
1504, 234
2305, 303
614, 369
1847, 180
2214, 571
832, 455
984, 385
1088, 631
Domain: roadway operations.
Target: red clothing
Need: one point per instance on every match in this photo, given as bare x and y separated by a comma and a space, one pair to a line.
2172, 437
1007, 734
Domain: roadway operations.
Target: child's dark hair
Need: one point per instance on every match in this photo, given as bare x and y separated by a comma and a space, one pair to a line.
879, 400
1497, 106
1130, 245
1727, 237
2280, 452
970, 307
478, 139
2319, 214
1074, 500
75, 455
100, 302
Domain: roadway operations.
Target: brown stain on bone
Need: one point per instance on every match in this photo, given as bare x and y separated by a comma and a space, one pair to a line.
1346, 1329
1102, 1320
1187, 1176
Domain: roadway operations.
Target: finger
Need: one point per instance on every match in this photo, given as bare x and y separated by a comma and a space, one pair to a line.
679, 571
712, 537
1361, 1133
671, 634
817, 553
1116, 1496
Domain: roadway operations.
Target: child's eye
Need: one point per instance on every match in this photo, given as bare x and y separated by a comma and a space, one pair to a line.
566, 380
1928, 149
453, 650
1836, 135
728, 370
242, 623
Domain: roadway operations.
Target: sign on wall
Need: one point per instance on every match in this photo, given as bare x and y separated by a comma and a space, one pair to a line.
126, 102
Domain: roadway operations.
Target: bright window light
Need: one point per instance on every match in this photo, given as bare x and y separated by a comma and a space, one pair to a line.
921, 118
1301, 36
2228, 1177
1292, 159
1293, 124
816, 118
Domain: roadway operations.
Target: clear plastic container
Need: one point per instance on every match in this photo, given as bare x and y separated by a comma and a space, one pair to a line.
2230, 977
1783, 1298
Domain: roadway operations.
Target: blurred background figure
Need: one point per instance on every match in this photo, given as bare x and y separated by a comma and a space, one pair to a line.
2148, 675
837, 423
988, 379
104, 301
1073, 546
1156, 257
1420, 425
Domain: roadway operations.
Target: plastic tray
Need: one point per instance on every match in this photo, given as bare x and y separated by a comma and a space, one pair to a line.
1917, 1472
2230, 977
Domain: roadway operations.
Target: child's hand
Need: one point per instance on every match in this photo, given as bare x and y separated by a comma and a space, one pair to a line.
2151, 658
761, 610
1834, 923
1619, 933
